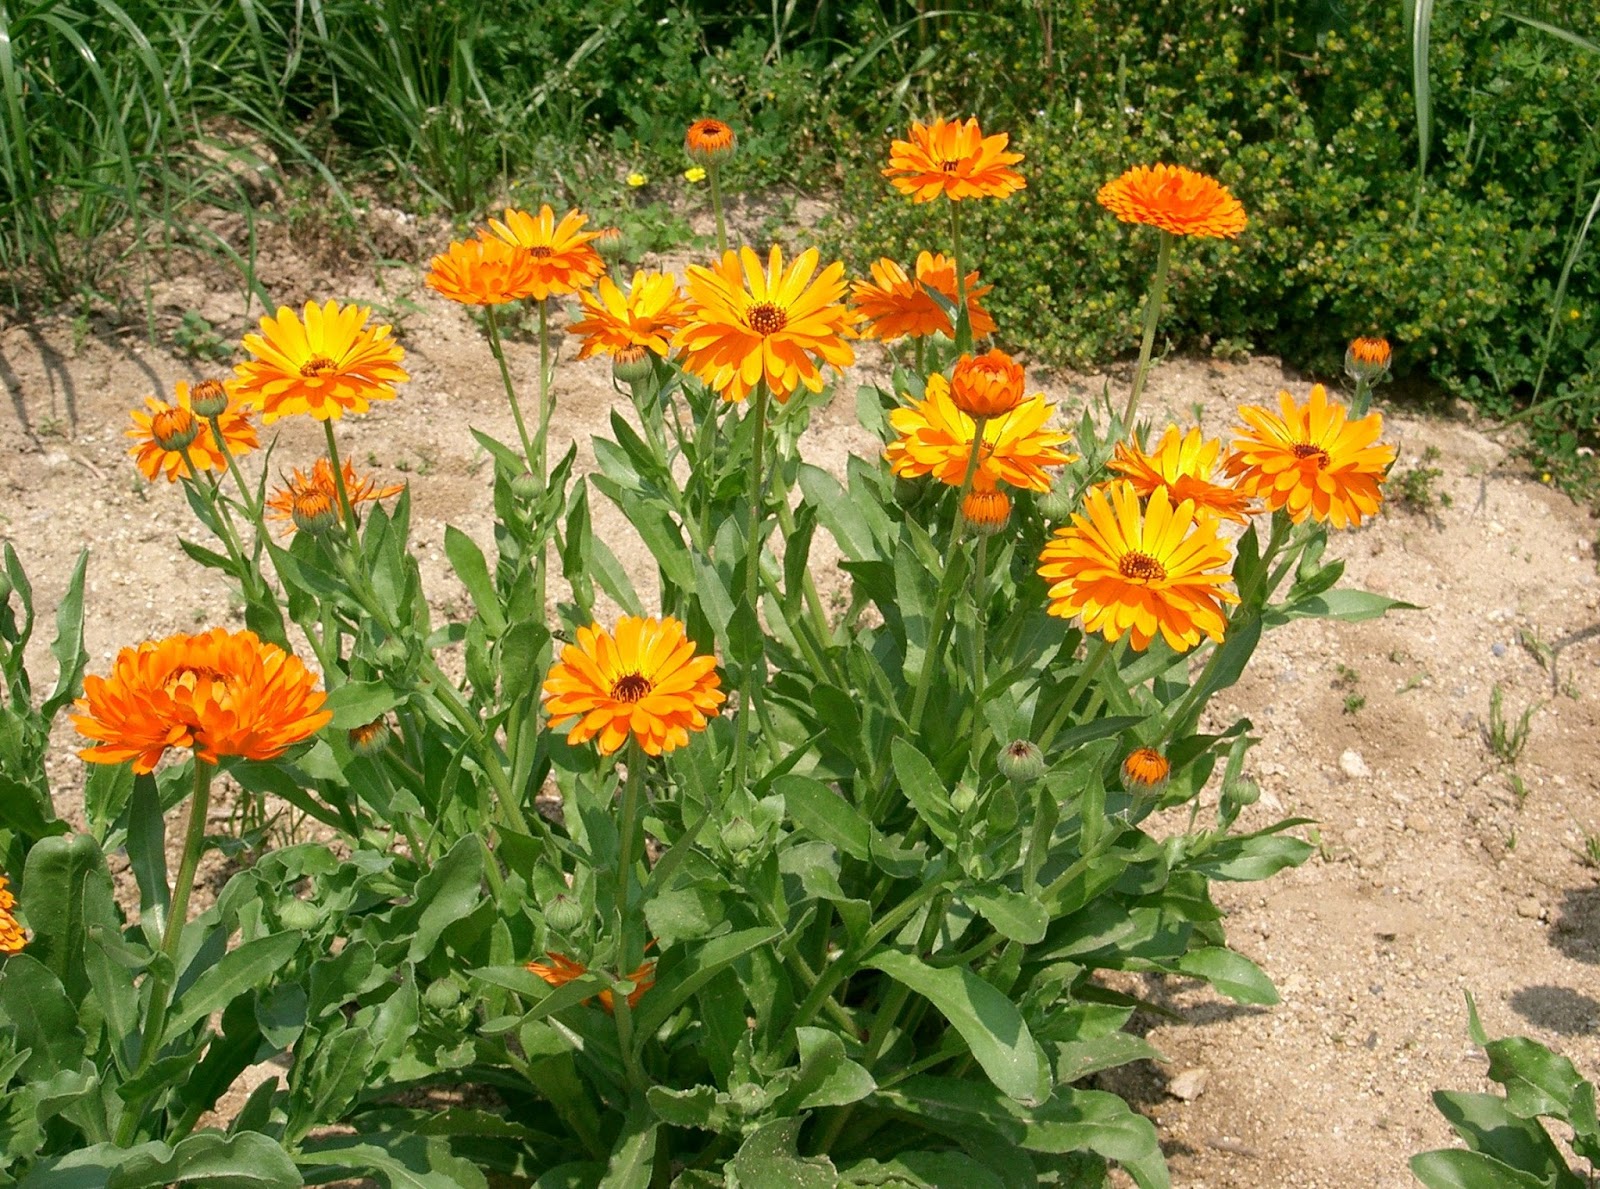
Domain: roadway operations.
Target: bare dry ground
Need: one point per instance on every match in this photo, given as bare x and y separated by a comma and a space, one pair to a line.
1440, 869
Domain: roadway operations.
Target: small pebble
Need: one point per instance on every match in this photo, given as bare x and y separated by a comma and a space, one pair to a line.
1498, 649
1189, 1084
1418, 824
1529, 908
1353, 766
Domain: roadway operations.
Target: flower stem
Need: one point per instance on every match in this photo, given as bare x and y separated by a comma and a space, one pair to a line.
963, 319
628, 956
233, 469
492, 321
1152, 311
345, 510
1091, 666
980, 625
749, 684
224, 526
545, 409
716, 206
1362, 400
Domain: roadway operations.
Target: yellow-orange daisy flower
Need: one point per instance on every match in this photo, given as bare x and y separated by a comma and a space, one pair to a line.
987, 385
1137, 574
484, 271
12, 938
895, 305
1145, 771
954, 159
644, 680
1184, 464
158, 421
304, 497
326, 365
645, 316
1311, 460
561, 970
222, 693
564, 259
709, 141
936, 439
1174, 199
781, 324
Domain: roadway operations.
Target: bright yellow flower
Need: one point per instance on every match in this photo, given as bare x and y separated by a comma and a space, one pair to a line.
564, 259
1134, 574
645, 316
484, 271
1311, 460
936, 439
1184, 464
895, 305
637, 179
561, 970
327, 365
12, 938
694, 174
1145, 771
779, 324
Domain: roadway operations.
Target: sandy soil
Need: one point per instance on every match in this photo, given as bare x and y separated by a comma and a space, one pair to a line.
1434, 875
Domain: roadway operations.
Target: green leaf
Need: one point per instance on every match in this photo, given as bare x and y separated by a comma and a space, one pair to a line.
1348, 605
67, 648
402, 1161
826, 1077
356, 703
1079, 1058
676, 985
238, 972
1488, 1127
467, 560
147, 854
1234, 975
633, 1157
768, 1159
65, 889
986, 1019
248, 1160
922, 1170
448, 892
820, 811
1013, 915
1245, 858
927, 793
33, 1002
1455, 1169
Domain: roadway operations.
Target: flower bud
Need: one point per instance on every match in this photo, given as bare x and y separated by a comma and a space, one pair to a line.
963, 797
1145, 772
1367, 360
314, 512
564, 913
299, 914
739, 835
1056, 504
986, 512
989, 385
174, 429
208, 398
442, 994
630, 365
709, 141
371, 738
526, 488
611, 244
1021, 761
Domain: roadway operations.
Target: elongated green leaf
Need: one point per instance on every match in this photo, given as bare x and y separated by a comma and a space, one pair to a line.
248, 1160
357, 703
1455, 1169
819, 810
927, 793
1240, 979
633, 1156
1488, 1127
67, 648
1013, 915
147, 853
1350, 606
682, 981
402, 1161
66, 888
236, 973
473, 570
769, 1159
986, 1019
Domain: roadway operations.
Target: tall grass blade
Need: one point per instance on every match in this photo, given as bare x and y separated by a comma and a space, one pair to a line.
1419, 22
1574, 250
1567, 35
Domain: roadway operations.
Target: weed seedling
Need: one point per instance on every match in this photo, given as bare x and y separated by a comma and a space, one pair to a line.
1505, 739
1414, 487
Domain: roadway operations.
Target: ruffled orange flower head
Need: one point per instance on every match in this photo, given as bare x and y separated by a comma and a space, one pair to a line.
157, 426
709, 141
987, 385
778, 324
896, 305
645, 317
1184, 464
12, 938
312, 501
485, 271
326, 365
1311, 460
1174, 199
561, 970
1145, 771
1139, 574
1367, 358
564, 259
222, 693
936, 439
644, 681
953, 159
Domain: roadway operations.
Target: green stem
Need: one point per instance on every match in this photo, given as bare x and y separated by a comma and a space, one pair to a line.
748, 682
963, 319
1091, 666
541, 441
250, 505
980, 626
1362, 400
492, 321
1152, 311
628, 956
224, 522
345, 510
716, 206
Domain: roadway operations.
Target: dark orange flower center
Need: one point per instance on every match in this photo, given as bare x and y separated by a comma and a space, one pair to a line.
631, 687
1141, 567
949, 166
541, 251
766, 318
191, 677
317, 365
1305, 450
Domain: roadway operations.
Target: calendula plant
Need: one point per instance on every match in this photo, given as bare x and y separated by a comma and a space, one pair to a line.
736, 872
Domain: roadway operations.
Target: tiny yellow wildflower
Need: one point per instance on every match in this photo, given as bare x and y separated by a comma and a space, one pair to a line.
637, 179
694, 174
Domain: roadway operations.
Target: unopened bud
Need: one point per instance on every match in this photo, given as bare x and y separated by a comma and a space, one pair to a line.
525, 487
986, 512
442, 994
208, 399
1145, 772
739, 835
564, 913
174, 429
299, 914
1021, 761
963, 798
371, 738
632, 364
314, 512
709, 141
1056, 504
611, 244
1367, 360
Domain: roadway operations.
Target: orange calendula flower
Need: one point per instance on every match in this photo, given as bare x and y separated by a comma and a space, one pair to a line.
12, 938
1184, 464
644, 317
326, 364
305, 499
895, 305
987, 385
1174, 199
561, 970
564, 259
645, 681
1139, 574
1367, 359
486, 271
160, 423
936, 439
1145, 771
778, 324
954, 159
222, 693
1311, 460
709, 141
